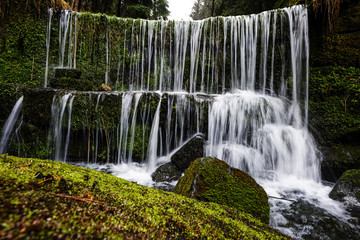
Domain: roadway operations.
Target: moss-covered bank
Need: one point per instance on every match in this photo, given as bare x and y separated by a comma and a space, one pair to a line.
75, 202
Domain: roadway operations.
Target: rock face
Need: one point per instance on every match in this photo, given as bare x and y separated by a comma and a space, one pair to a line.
347, 186
212, 180
189, 152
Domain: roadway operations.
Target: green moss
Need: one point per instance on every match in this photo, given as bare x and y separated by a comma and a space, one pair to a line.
352, 176
9, 94
334, 99
347, 185
93, 204
73, 84
211, 180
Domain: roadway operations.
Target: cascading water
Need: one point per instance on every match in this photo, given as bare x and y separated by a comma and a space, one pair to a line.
58, 111
241, 80
9, 124
48, 36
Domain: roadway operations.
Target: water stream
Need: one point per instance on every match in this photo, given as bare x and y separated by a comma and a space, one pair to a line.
10, 124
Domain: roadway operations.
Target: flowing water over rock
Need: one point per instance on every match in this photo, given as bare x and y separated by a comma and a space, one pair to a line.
10, 124
242, 81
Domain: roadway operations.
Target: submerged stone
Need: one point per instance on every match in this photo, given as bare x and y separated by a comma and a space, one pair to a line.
166, 173
212, 180
192, 150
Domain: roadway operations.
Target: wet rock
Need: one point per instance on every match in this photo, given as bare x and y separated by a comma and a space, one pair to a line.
308, 221
347, 190
166, 173
67, 72
212, 180
189, 152
348, 186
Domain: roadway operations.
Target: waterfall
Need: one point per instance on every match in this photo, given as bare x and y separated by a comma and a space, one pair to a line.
253, 132
252, 70
9, 124
58, 109
48, 37
242, 81
152, 151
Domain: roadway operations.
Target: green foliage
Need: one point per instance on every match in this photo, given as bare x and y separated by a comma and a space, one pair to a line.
211, 180
334, 94
338, 49
124, 8
160, 9
93, 204
136, 11
203, 8
286, 3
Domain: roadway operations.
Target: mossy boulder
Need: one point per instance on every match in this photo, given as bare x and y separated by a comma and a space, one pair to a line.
70, 202
347, 190
212, 180
347, 186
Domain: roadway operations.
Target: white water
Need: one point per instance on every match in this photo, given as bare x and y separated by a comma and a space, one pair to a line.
257, 111
9, 124
48, 38
58, 111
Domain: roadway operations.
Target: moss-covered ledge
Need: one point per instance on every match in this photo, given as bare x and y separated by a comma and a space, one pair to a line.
82, 203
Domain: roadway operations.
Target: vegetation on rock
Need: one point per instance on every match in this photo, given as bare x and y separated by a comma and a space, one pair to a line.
42, 199
212, 180
348, 185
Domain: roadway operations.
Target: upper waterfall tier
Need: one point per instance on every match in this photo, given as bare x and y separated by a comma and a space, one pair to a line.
266, 52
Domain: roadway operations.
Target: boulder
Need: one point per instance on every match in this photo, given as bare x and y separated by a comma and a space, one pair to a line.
347, 190
212, 180
166, 173
348, 186
193, 149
